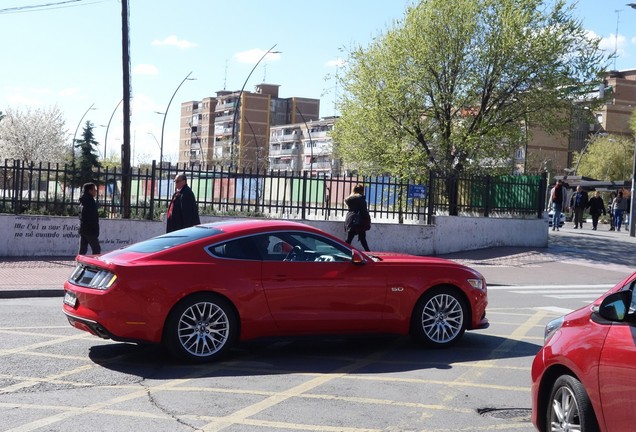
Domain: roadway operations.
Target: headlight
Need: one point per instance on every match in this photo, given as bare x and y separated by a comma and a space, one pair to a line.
476, 283
551, 328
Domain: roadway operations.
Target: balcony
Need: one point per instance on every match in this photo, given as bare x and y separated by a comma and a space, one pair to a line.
224, 118
280, 166
317, 166
283, 152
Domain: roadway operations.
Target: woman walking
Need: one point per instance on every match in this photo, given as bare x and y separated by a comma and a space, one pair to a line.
358, 220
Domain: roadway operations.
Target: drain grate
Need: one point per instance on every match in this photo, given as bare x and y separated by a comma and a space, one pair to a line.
519, 414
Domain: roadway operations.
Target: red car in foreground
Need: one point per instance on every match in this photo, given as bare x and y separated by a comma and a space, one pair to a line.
584, 377
200, 290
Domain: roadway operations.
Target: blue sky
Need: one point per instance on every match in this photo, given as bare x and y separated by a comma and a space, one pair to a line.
70, 55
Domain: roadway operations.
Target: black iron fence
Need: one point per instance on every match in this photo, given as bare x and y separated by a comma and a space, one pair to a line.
45, 189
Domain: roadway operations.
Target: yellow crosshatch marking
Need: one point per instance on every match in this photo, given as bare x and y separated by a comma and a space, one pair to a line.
259, 402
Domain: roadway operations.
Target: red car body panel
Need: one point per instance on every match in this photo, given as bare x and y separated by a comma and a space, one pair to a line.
271, 298
601, 355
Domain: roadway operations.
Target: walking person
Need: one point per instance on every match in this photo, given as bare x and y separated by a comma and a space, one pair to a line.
610, 207
89, 221
597, 206
358, 220
557, 198
619, 205
183, 211
579, 203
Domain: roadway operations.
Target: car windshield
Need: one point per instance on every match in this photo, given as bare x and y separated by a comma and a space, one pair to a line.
175, 238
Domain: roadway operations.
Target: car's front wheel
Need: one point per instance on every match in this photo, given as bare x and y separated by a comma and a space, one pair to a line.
439, 318
201, 328
569, 407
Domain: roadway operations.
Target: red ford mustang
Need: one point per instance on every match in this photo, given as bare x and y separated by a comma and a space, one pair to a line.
200, 290
584, 377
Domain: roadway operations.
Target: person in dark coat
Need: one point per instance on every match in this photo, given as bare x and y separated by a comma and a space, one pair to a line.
558, 199
183, 211
579, 203
358, 220
597, 206
89, 221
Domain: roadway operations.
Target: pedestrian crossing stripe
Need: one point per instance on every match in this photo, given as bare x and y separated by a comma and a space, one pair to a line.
533, 288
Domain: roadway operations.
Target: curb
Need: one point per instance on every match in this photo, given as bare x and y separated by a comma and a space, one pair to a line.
29, 293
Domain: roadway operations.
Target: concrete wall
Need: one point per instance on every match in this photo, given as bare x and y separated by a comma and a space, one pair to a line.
57, 236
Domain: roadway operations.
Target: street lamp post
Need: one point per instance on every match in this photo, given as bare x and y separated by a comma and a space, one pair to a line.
632, 214
632, 211
311, 143
108, 126
238, 102
165, 114
156, 140
75, 135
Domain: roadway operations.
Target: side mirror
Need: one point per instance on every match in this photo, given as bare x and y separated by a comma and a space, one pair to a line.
357, 258
615, 306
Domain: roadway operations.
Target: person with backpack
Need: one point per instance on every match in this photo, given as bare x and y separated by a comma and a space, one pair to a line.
358, 220
89, 221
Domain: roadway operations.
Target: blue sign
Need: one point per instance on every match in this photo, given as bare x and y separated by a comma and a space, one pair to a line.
417, 191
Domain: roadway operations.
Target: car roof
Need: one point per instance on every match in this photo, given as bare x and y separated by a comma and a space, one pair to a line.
240, 225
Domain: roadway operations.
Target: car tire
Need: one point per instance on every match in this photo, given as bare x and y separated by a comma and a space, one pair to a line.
201, 328
439, 318
569, 407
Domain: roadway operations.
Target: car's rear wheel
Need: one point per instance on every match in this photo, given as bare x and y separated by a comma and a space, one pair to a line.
439, 318
569, 407
201, 328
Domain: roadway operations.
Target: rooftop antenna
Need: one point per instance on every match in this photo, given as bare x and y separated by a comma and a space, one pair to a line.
335, 96
264, 72
618, 14
225, 77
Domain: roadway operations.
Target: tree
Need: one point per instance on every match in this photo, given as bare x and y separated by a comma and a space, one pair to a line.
607, 158
450, 87
33, 135
88, 158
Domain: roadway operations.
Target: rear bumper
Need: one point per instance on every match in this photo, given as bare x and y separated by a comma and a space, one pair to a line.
90, 326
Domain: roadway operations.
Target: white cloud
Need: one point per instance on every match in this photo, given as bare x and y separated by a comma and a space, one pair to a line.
254, 55
335, 63
611, 43
144, 103
145, 69
172, 40
22, 99
29, 96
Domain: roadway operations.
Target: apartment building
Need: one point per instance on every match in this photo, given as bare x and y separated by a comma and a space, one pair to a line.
305, 147
555, 152
232, 129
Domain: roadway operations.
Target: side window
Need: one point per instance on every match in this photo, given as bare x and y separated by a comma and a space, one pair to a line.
632, 306
309, 247
272, 246
243, 249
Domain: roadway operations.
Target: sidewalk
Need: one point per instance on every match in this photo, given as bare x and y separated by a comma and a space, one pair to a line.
34, 276
572, 256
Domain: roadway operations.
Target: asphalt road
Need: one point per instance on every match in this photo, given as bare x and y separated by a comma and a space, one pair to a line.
56, 378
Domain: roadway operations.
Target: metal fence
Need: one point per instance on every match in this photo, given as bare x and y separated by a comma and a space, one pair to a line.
44, 189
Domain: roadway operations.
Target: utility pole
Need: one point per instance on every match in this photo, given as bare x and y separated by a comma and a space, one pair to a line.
125, 147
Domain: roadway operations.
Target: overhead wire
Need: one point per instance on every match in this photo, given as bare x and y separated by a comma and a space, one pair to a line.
48, 6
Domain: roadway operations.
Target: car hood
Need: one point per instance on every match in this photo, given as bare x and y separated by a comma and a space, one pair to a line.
407, 258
